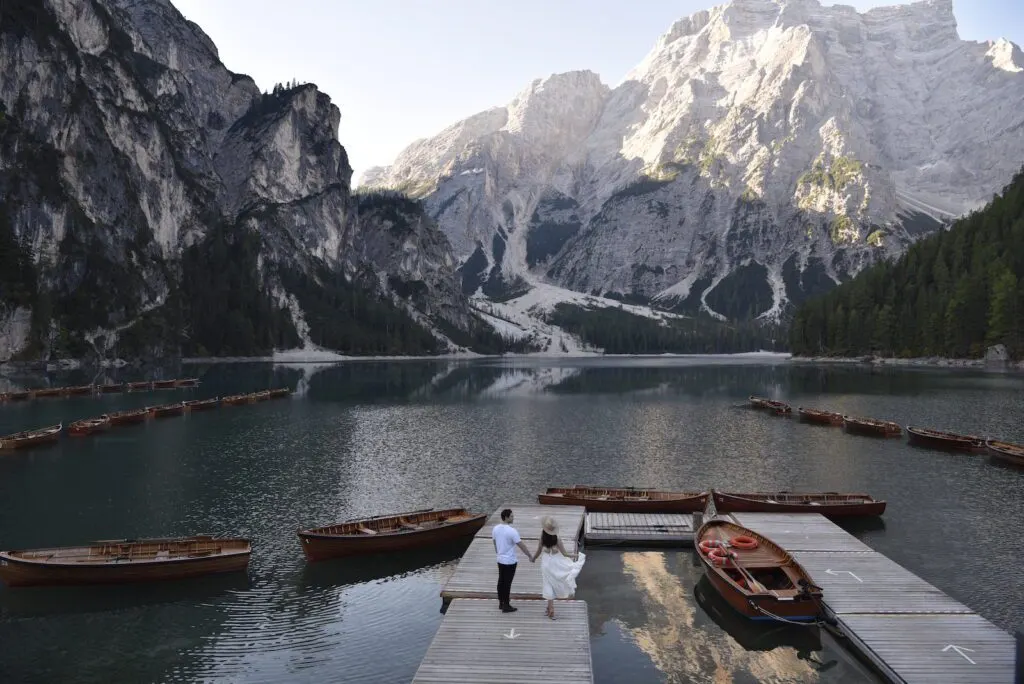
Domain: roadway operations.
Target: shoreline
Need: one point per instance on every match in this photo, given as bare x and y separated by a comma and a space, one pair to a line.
916, 362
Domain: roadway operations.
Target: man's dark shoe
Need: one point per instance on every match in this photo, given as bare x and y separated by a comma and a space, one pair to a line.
509, 609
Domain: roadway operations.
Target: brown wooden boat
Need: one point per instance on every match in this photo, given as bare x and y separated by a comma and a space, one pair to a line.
780, 408
164, 384
20, 396
165, 410
186, 382
1006, 451
49, 392
128, 417
21, 440
120, 561
754, 575
79, 389
825, 503
934, 439
88, 426
809, 415
624, 499
112, 387
141, 385
202, 404
262, 395
279, 393
237, 399
871, 427
389, 533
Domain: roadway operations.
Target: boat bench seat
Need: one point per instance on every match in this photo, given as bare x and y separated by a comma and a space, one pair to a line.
410, 526
366, 530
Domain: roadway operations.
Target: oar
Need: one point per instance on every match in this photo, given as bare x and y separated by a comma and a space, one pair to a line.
754, 584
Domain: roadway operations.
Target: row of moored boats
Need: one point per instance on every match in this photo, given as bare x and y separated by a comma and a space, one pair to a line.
157, 559
920, 436
89, 426
111, 388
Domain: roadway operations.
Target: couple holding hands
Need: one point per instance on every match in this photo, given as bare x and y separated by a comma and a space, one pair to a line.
558, 569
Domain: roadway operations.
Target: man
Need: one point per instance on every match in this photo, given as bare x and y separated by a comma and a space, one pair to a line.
506, 539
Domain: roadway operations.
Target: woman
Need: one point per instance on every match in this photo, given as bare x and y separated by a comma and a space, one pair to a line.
557, 570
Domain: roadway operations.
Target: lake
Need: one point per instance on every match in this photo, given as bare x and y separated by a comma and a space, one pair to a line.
365, 438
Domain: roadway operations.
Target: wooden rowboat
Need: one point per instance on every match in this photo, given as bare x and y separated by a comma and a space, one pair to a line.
236, 399
128, 417
20, 396
826, 503
79, 389
49, 392
88, 426
262, 395
120, 561
186, 382
934, 439
279, 393
202, 404
624, 499
1006, 451
165, 410
389, 533
164, 384
808, 415
759, 582
113, 387
871, 427
780, 408
141, 385
20, 440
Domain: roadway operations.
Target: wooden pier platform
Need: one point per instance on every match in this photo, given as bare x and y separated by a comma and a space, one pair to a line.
476, 575
478, 643
909, 629
646, 529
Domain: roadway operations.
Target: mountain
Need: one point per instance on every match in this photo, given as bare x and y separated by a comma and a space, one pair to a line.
154, 203
952, 294
761, 153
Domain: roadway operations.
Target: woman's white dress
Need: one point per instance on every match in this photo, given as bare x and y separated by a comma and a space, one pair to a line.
558, 574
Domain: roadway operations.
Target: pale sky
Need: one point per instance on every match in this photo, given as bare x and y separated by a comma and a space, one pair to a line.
400, 70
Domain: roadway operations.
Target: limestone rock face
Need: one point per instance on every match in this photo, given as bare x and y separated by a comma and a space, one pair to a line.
761, 152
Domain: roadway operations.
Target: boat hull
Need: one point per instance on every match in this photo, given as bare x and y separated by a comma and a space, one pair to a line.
869, 430
689, 504
203, 405
129, 419
17, 573
934, 441
1009, 453
831, 419
731, 503
167, 411
319, 547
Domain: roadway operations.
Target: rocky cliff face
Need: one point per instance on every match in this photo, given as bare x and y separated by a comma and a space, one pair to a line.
126, 146
763, 151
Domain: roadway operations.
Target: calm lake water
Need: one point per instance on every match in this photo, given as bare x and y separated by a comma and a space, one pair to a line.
367, 438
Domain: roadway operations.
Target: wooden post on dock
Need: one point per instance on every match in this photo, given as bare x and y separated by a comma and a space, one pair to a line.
698, 520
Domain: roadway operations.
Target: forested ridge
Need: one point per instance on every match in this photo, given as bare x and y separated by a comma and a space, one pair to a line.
952, 294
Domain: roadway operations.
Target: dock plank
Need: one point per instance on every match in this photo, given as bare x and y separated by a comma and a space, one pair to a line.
476, 642
801, 531
872, 583
917, 649
528, 520
639, 528
476, 575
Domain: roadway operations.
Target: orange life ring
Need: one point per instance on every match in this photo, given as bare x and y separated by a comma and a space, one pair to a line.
720, 555
744, 542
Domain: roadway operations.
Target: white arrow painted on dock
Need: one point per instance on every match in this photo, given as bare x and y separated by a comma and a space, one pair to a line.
830, 571
512, 634
960, 650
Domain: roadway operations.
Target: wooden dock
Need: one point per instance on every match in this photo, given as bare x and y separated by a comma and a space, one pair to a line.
476, 575
910, 630
645, 529
478, 643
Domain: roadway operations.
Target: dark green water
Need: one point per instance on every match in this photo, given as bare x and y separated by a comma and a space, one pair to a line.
366, 438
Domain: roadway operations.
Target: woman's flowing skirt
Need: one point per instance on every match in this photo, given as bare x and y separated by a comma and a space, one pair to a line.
558, 575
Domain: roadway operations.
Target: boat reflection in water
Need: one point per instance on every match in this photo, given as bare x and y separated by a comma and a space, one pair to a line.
761, 636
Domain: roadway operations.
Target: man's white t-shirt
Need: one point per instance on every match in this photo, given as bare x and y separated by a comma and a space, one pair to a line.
506, 538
